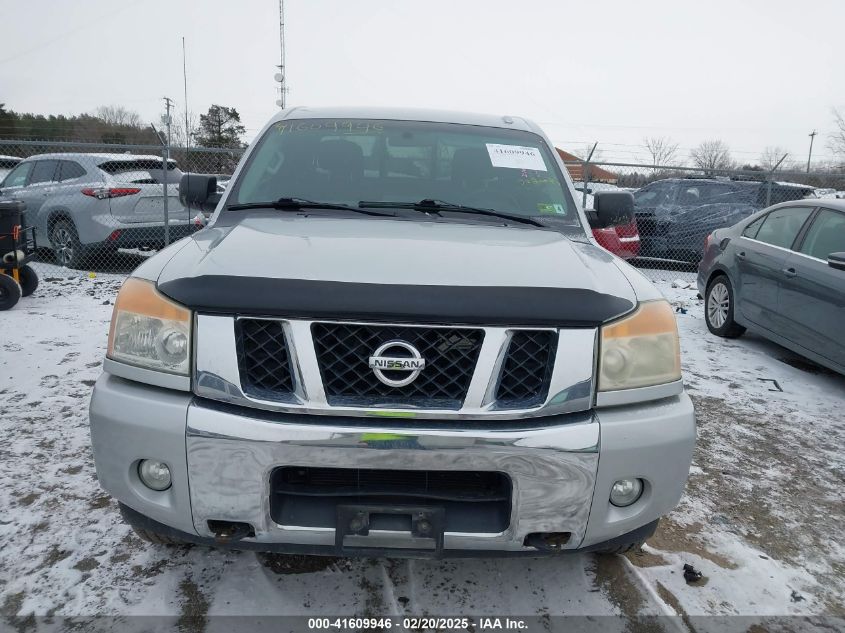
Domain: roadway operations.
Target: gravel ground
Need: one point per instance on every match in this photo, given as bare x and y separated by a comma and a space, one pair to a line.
762, 517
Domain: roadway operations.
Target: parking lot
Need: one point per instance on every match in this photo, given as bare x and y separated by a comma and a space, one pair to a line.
761, 517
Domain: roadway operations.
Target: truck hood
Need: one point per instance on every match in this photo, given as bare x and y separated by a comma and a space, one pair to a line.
397, 270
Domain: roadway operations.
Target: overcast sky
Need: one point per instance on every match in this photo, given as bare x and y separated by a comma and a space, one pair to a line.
753, 73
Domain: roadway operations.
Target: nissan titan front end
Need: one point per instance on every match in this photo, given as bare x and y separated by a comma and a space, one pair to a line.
395, 337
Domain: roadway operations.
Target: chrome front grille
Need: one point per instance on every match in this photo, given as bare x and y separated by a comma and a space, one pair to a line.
343, 350
322, 368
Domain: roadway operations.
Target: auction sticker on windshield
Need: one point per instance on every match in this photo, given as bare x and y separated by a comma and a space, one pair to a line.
516, 157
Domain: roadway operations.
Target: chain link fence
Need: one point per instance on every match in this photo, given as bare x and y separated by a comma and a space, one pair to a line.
104, 208
676, 208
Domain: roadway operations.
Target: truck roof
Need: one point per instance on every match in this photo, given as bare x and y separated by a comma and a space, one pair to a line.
408, 114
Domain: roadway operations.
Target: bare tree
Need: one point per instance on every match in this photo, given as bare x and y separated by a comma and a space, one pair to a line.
598, 154
771, 156
118, 115
836, 141
712, 155
663, 151
178, 136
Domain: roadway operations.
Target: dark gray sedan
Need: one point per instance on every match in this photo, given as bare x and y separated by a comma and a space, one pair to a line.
781, 273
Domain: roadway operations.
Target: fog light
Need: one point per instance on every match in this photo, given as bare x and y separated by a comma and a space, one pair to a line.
625, 492
154, 475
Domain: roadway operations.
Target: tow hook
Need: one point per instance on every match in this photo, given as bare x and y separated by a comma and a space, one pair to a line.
547, 541
226, 532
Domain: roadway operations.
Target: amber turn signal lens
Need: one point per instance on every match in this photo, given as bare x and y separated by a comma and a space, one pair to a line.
640, 350
149, 330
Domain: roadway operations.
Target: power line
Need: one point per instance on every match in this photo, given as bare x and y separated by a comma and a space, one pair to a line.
88, 23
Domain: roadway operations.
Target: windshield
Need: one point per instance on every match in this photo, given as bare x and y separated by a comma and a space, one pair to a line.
345, 161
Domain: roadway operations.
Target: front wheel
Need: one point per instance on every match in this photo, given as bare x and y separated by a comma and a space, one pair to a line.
631, 546
630, 542
719, 309
66, 245
144, 532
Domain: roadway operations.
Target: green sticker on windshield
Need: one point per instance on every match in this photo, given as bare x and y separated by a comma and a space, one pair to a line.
553, 209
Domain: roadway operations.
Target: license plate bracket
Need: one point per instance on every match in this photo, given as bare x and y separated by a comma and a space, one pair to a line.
353, 533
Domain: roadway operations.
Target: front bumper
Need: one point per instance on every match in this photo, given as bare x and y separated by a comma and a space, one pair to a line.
221, 457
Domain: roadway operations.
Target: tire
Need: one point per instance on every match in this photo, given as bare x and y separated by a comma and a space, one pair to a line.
156, 538
719, 308
10, 292
67, 248
149, 535
29, 280
628, 542
621, 549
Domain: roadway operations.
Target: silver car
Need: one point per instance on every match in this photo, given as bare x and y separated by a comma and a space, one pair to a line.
398, 337
781, 273
83, 204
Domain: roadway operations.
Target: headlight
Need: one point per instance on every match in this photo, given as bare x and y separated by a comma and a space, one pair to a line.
149, 330
640, 350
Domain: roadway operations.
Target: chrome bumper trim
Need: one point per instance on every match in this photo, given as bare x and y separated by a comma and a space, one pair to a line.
231, 456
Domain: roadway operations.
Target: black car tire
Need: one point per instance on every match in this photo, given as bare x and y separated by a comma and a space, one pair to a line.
67, 248
158, 539
720, 318
621, 549
145, 533
10, 292
29, 280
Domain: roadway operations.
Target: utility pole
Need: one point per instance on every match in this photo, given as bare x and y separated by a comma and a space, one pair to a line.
280, 76
810, 155
168, 103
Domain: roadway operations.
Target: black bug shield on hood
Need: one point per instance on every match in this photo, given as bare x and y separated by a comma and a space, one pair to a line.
397, 271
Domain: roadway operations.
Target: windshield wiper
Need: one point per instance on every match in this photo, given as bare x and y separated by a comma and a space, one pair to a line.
436, 206
299, 204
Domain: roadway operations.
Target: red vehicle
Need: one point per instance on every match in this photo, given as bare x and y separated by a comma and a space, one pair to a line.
622, 240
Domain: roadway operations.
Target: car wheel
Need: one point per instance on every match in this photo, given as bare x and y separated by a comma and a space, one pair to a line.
719, 309
29, 280
10, 292
148, 535
158, 539
66, 245
631, 546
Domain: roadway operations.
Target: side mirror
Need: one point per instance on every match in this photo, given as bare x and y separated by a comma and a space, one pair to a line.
836, 260
611, 208
198, 191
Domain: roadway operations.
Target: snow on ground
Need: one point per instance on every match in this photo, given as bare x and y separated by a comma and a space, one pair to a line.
762, 517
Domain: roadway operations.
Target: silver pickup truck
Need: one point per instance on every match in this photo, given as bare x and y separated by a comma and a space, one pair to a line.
396, 336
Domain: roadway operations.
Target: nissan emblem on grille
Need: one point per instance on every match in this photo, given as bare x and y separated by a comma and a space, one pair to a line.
380, 362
